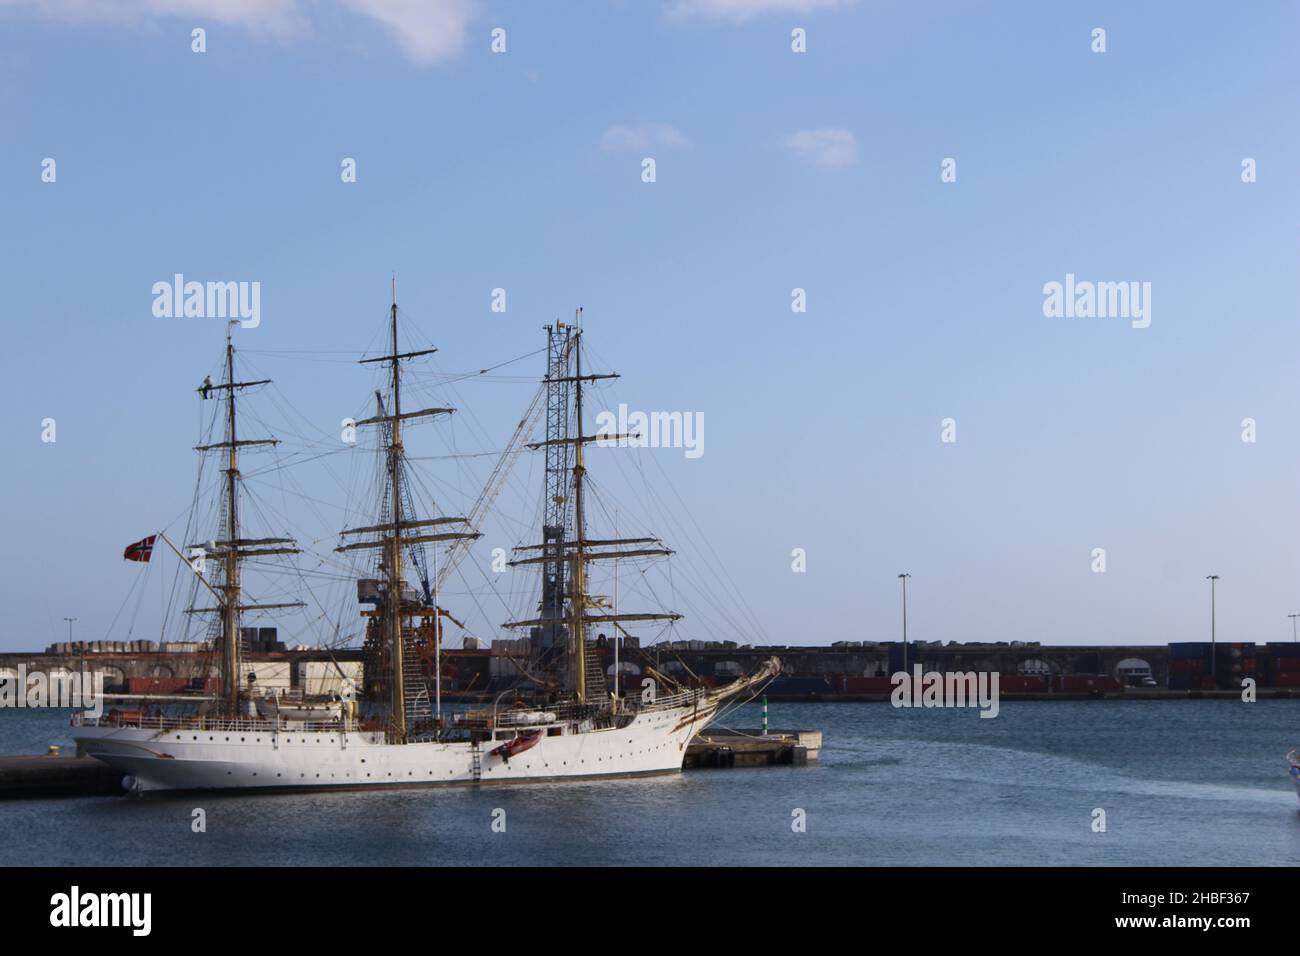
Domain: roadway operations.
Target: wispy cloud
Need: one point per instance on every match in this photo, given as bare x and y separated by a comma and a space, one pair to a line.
622, 138
831, 147
742, 10
425, 30
267, 16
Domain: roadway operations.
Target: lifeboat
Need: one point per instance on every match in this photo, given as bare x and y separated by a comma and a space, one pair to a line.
518, 744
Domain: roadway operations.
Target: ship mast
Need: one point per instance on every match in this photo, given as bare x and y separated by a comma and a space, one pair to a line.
582, 549
392, 540
578, 598
233, 549
230, 618
393, 570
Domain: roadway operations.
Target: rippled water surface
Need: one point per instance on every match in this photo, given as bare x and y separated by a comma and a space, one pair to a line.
1182, 783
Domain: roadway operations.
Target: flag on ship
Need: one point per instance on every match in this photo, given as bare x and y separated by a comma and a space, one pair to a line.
142, 550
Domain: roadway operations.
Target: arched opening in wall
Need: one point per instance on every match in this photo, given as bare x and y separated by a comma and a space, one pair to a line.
727, 670
9, 674
1134, 672
626, 669
876, 668
1034, 667
161, 670
114, 676
677, 671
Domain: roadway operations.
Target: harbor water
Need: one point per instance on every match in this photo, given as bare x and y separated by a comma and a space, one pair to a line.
1186, 782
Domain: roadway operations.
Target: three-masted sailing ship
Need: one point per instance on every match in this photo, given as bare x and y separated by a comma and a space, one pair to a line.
392, 731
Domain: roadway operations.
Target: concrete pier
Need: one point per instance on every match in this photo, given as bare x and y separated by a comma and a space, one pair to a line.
751, 748
53, 776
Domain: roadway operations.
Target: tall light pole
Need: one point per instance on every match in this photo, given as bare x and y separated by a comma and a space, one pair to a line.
903, 577
1214, 655
1293, 617
83, 656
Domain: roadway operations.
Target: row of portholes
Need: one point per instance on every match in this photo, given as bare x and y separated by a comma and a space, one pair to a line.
256, 740
411, 773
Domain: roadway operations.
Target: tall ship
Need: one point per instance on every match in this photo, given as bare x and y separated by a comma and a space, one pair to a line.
391, 728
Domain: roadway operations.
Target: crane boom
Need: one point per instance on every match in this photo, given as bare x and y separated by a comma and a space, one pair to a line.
496, 481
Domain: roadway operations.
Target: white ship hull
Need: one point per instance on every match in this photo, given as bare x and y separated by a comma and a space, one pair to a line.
249, 755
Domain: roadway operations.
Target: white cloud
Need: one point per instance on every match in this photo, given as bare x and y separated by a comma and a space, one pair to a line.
641, 136
426, 30
269, 16
741, 10
830, 147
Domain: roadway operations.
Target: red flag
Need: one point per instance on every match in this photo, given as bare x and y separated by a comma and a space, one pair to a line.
142, 550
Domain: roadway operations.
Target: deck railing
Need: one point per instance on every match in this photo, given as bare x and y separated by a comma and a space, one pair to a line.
210, 724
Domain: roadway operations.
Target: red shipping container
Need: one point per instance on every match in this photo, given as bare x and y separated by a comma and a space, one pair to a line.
868, 685
1087, 684
155, 685
1021, 684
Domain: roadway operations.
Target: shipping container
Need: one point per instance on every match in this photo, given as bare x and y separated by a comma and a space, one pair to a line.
800, 687
156, 685
867, 685
1086, 684
1021, 684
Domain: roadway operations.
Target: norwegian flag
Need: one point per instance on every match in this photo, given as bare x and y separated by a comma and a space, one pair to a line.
142, 550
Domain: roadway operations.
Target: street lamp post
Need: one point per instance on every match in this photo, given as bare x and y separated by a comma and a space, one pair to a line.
1214, 655
1293, 617
903, 577
83, 656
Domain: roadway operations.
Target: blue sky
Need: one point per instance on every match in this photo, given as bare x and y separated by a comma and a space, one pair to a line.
522, 170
